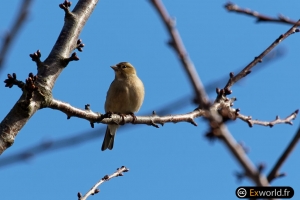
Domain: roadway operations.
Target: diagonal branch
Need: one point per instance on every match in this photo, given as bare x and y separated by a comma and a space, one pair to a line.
95, 190
259, 17
247, 70
178, 46
275, 171
237, 150
274, 55
48, 72
12, 34
50, 145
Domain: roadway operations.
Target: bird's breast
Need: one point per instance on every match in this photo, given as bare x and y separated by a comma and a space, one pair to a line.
125, 96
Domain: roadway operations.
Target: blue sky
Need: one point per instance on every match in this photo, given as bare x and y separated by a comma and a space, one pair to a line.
175, 161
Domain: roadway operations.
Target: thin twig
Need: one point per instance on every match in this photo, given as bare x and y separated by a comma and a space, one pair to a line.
275, 171
95, 190
12, 34
251, 122
233, 79
259, 17
274, 55
179, 48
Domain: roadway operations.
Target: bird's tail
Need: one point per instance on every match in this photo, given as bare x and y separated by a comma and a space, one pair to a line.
108, 142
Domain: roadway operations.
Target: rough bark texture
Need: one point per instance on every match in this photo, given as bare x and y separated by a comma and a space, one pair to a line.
47, 73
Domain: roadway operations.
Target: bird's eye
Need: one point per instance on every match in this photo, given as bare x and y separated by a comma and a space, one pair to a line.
124, 66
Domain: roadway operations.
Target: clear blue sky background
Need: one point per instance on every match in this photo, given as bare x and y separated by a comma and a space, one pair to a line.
175, 161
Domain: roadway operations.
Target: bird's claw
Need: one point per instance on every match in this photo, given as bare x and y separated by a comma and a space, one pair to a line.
133, 117
123, 120
106, 115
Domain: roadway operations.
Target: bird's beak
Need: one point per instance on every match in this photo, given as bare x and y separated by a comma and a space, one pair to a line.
115, 68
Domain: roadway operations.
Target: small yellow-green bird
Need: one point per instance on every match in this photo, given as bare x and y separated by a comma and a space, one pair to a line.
124, 96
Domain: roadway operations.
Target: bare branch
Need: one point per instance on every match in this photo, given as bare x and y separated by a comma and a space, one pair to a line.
94, 189
224, 109
12, 34
247, 70
259, 17
275, 171
48, 72
151, 120
75, 139
274, 55
235, 113
287, 120
179, 48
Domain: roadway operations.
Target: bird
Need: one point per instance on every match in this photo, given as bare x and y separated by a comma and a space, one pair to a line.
124, 96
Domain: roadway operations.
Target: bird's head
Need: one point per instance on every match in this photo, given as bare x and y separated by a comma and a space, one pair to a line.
123, 70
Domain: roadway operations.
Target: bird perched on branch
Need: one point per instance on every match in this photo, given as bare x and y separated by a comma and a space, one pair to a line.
124, 96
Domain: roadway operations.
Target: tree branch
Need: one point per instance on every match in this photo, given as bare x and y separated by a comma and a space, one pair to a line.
95, 190
75, 139
51, 145
274, 55
216, 122
176, 43
259, 17
275, 171
224, 109
231, 113
12, 34
247, 70
48, 72
152, 120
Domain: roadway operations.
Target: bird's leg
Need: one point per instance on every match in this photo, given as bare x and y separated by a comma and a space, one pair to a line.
133, 117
